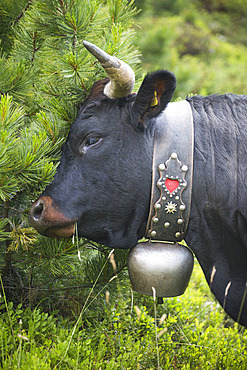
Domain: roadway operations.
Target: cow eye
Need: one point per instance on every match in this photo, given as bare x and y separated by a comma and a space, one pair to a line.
89, 142
92, 141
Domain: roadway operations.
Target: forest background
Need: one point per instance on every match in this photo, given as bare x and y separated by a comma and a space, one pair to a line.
68, 303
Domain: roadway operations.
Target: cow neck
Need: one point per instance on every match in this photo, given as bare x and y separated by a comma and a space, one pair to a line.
171, 174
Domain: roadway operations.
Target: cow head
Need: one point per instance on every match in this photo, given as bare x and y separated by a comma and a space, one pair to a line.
103, 182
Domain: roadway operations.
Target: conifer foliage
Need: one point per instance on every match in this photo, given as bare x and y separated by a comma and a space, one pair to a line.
45, 74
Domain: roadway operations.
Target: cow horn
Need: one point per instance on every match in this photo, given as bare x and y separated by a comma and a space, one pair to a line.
122, 77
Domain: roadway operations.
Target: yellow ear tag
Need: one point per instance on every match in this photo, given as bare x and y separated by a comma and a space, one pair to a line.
154, 101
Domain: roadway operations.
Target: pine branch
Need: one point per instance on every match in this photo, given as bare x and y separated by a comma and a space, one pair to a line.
8, 254
6, 206
48, 72
35, 49
22, 12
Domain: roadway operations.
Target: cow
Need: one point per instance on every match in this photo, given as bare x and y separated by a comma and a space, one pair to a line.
103, 181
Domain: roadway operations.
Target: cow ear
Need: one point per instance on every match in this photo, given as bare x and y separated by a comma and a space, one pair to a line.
154, 94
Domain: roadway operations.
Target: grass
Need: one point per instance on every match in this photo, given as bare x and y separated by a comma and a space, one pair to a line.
186, 332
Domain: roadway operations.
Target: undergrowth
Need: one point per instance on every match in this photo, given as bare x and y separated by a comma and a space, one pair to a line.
192, 332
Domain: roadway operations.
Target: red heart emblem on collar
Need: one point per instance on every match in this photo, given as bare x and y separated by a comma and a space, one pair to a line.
171, 185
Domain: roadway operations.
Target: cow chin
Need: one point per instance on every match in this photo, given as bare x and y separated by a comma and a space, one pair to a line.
61, 232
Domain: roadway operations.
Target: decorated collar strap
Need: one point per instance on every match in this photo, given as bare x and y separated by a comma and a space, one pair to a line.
172, 174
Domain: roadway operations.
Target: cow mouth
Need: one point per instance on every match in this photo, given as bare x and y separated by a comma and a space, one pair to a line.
65, 231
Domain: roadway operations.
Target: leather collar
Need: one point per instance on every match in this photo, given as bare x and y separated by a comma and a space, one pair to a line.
172, 173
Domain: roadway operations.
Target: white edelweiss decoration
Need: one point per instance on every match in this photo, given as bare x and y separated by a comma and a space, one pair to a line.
170, 207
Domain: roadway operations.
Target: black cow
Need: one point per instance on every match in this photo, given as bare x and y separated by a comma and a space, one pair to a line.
103, 181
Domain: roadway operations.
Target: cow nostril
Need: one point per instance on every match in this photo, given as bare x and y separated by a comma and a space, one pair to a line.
37, 211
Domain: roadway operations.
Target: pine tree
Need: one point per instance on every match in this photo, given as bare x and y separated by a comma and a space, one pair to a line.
45, 74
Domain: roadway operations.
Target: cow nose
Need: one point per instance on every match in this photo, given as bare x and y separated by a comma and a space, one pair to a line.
37, 210
37, 216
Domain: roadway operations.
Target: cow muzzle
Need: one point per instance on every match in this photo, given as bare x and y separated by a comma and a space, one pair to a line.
48, 220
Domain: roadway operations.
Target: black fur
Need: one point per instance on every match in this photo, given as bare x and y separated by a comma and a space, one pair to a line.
217, 230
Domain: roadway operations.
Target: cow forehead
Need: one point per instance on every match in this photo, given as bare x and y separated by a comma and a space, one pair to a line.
102, 115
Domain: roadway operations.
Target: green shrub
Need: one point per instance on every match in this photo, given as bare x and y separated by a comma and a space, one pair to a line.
205, 48
193, 334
